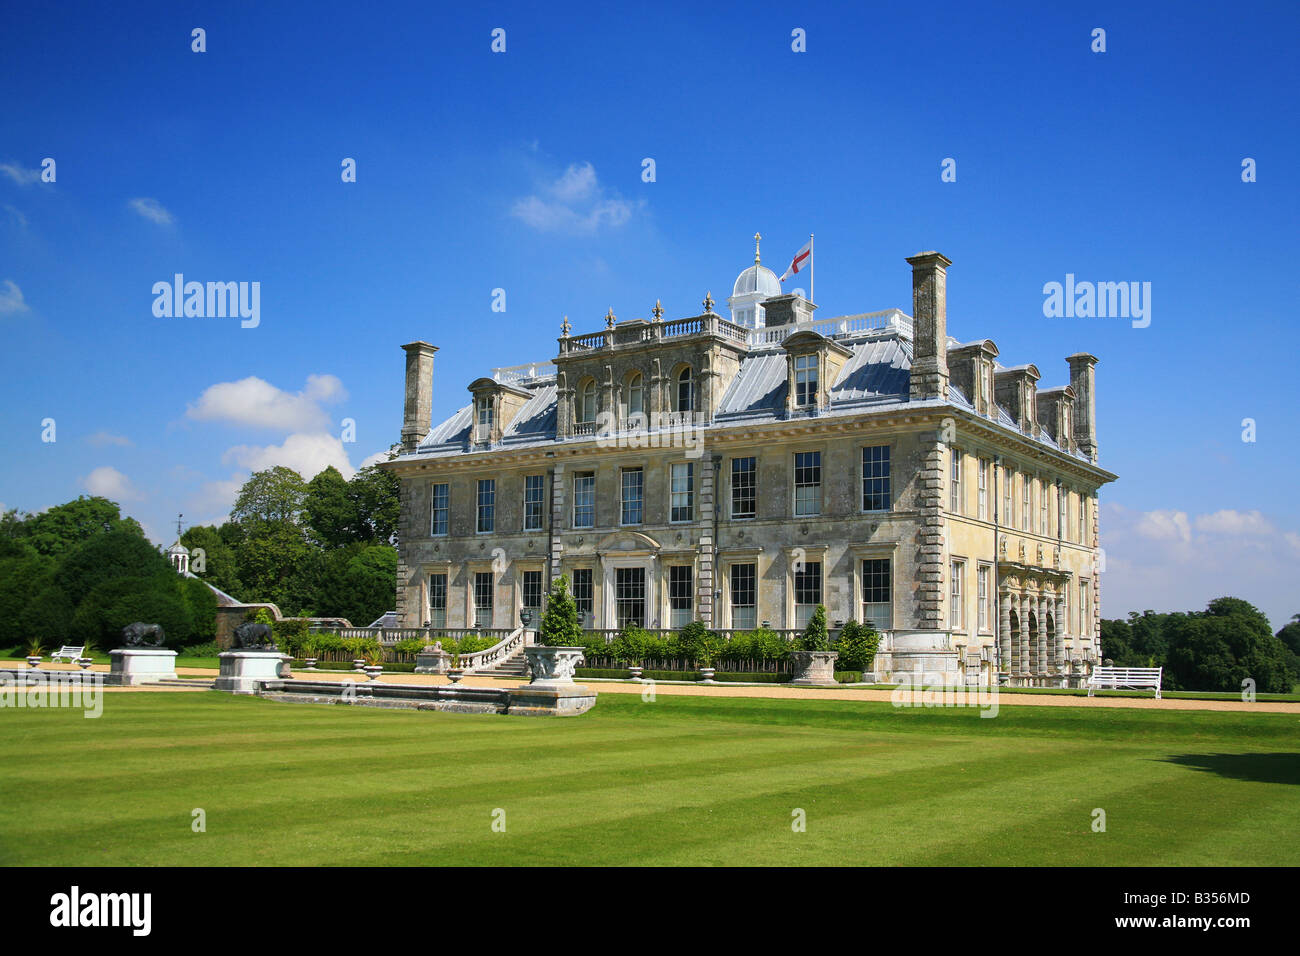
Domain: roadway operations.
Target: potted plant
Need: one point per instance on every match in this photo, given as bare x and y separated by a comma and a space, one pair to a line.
374, 662
814, 661
559, 649
34, 652
455, 672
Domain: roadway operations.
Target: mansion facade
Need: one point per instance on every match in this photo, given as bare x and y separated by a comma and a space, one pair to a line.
743, 470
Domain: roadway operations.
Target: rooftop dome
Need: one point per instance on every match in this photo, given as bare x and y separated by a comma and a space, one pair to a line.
757, 278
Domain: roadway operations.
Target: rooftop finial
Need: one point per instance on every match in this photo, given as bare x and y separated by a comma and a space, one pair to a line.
610, 318
564, 327
708, 302
757, 236
657, 311
179, 516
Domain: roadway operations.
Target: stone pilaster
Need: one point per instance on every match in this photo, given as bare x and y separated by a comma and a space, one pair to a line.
556, 545
930, 569
704, 575
1024, 635
1061, 618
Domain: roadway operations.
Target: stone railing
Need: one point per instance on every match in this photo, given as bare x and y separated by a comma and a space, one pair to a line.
839, 325
391, 635
523, 373
516, 640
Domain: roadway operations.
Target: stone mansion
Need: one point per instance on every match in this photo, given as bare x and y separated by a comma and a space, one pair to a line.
742, 471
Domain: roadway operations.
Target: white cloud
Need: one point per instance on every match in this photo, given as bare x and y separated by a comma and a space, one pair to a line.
1234, 522
110, 483
11, 298
254, 401
152, 210
306, 453
1169, 561
214, 499
1164, 526
23, 177
17, 216
104, 438
574, 203
373, 459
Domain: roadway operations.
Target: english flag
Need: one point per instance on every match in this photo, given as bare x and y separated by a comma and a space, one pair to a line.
801, 261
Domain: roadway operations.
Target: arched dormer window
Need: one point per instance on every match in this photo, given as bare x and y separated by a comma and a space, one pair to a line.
635, 399
587, 402
685, 390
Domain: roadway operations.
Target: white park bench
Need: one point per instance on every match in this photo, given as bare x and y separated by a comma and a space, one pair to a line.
68, 651
1130, 677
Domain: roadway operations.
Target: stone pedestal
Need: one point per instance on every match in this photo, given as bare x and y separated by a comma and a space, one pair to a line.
552, 691
813, 668
432, 660
242, 670
924, 657
129, 666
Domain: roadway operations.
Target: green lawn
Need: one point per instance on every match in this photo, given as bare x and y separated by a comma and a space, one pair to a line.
679, 781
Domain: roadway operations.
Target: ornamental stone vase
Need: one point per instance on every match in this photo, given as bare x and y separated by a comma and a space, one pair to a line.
552, 689
553, 665
813, 668
706, 675
635, 671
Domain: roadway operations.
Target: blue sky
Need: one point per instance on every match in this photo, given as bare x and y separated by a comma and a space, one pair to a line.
522, 171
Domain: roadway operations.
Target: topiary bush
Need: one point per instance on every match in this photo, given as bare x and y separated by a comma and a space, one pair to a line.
559, 627
815, 635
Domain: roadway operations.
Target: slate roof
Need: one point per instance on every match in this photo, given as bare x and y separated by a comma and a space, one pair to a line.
876, 374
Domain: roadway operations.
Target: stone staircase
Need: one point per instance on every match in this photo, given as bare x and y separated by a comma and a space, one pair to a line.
513, 667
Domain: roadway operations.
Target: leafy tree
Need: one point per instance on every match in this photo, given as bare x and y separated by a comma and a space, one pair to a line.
376, 496
271, 496
23, 572
59, 529
815, 636
559, 627
370, 582
273, 559
1117, 644
329, 510
117, 602
46, 618
1218, 648
104, 557
220, 562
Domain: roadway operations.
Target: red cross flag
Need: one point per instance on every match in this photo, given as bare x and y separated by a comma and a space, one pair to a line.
801, 261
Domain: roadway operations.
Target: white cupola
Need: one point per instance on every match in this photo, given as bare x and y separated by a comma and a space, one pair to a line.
753, 286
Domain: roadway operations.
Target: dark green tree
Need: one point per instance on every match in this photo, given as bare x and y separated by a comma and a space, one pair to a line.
59, 529
329, 511
559, 627
375, 494
1218, 648
815, 636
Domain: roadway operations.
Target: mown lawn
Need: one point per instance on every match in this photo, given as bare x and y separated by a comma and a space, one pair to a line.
678, 781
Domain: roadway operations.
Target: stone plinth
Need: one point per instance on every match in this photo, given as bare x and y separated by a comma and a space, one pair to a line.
129, 666
432, 660
242, 670
813, 668
924, 657
552, 691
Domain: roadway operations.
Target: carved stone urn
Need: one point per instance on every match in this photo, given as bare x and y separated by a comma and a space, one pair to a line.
813, 668
636, 671
553, 665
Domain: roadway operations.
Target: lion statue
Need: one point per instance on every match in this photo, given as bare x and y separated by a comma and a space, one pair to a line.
253, 636
141, 634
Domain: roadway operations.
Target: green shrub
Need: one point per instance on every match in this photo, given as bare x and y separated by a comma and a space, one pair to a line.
857, 646
559, 627
815, 636
290, 635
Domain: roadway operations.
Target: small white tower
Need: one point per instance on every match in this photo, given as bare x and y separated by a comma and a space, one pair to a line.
178, 554
753, 286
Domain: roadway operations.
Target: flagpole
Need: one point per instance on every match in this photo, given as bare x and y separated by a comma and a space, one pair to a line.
812, 271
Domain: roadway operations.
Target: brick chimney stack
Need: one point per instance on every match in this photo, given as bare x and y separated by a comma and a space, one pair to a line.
929, 325
1083, 379
418, 409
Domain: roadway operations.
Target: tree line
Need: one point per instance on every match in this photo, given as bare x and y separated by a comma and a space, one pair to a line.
80, 571
1215, 649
